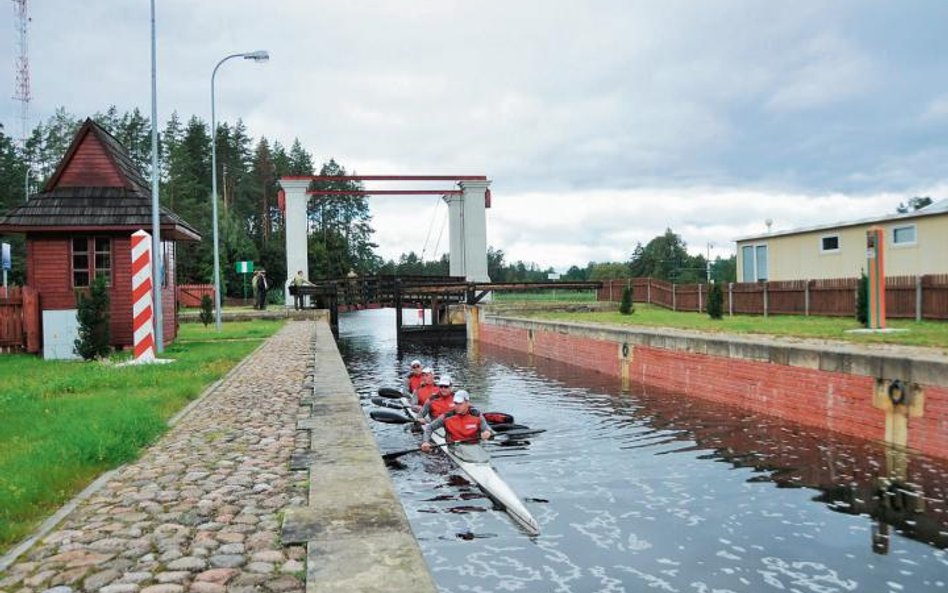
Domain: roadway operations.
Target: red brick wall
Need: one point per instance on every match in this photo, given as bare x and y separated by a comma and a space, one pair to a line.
837, 401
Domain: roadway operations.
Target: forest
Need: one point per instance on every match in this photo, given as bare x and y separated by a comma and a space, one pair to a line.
251, 224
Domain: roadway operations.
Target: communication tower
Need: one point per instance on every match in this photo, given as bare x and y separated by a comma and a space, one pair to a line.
22, 66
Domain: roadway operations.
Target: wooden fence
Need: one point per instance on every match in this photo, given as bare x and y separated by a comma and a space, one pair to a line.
19, 320
906, 297
189, 295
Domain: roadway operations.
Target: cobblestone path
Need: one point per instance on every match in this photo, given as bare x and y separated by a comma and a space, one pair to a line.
200, 510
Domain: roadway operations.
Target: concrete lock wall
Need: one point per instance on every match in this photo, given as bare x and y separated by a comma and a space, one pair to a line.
838, 388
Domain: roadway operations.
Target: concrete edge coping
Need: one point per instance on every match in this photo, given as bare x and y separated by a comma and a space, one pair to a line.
931, 368
56, 518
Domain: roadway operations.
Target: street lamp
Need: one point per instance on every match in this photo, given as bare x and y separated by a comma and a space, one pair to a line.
256, 56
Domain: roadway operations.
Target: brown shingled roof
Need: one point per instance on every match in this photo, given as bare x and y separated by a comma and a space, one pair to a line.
125, 207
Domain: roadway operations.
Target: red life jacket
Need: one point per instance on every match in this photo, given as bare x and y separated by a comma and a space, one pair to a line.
440, 405
424, 393
462, 427
413, 382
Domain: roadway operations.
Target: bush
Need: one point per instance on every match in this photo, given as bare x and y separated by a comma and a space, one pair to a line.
715, 301
207, 309
862, 299
93, 316
626, 307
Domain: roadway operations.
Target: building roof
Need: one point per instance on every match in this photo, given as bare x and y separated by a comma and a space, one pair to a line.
96, 187
933, 209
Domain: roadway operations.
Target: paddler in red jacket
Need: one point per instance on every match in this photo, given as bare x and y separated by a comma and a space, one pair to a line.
414, 376
426, 389
463, 424
441, 401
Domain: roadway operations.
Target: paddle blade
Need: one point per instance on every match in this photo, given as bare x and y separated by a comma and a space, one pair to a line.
390, 393
508, 426
516, 435
397, 454
386, 403
389, 417
498, 418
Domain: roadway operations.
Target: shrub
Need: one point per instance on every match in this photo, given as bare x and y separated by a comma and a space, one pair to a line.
862, 299
715, 301
207, 309
93, 316
626, 307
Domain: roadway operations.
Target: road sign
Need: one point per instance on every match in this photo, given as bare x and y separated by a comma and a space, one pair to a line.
244, 267
5, 256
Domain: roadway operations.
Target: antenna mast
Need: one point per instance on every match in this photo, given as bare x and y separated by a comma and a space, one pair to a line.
22, 93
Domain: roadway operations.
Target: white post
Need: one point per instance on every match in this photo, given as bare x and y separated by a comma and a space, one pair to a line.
142, 318
296, 231
456, 266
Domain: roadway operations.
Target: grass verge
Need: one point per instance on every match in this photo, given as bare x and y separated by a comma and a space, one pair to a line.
933, 334
64, 423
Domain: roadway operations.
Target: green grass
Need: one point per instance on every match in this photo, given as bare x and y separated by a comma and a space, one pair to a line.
64, 423
926, 333
572, 296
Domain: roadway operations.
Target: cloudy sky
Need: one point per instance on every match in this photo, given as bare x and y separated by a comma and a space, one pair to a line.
600, 122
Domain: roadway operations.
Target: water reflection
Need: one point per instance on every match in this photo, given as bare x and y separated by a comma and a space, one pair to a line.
648, 489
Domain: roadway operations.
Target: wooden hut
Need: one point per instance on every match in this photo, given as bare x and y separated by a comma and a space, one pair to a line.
79, 227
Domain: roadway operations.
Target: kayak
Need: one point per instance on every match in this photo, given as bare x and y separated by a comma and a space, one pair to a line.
474, 461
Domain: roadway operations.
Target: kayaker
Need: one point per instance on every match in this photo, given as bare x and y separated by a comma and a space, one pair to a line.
426, 389
463, 424
441, 401
414, 376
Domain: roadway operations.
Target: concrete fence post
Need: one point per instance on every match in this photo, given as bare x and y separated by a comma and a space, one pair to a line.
730, 299
806, 299
648, 291
765, 300
674, 299
700, 308
918, 298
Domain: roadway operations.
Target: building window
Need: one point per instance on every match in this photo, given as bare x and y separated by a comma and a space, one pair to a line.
829, 244
754, 263
91, 257
903, 235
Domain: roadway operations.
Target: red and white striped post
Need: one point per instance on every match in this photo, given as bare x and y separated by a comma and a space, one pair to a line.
142, 322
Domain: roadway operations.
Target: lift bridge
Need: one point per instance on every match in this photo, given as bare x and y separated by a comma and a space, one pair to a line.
442, 300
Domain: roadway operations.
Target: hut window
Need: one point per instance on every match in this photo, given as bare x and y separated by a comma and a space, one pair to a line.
103, 259
91, 256
80, 261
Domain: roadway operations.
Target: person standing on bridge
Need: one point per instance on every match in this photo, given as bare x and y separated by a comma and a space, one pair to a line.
260, 286
463, 424
299, 281
440, 402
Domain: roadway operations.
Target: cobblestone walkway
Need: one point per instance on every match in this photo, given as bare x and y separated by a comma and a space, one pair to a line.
200, 510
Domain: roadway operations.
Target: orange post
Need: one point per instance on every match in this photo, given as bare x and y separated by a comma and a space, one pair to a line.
875, 255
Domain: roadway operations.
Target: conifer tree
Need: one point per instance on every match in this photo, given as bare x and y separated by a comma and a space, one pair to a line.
93, 316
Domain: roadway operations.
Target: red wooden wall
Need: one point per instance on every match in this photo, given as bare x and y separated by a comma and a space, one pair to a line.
90, 167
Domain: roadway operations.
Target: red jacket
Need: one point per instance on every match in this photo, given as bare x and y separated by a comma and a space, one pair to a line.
424, 393
440, 405
413, 382
462, 427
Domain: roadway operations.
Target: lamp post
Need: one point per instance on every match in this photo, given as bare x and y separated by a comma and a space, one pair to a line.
256, 56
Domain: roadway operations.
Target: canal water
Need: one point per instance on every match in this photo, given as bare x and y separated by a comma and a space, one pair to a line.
647, 490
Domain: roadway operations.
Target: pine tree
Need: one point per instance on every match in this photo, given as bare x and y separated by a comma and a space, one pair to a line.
862, 299
93, 316
715, 301
626, 307
207, 310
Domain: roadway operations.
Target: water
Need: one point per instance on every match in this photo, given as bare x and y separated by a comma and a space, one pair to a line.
651, 491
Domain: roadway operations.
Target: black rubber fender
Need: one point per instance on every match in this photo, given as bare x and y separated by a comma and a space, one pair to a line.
898, 392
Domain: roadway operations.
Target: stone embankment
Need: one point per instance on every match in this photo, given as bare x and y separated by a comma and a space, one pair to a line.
201, 511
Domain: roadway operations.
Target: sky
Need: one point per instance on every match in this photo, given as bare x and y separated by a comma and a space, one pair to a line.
599, 122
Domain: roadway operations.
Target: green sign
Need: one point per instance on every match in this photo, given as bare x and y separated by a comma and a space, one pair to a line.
244, 267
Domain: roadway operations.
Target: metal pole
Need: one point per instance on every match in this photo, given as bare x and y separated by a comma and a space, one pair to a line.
157, 261
257, 56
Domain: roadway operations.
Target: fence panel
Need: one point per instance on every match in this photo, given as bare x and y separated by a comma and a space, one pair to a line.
833, 297
787, 297
935, 296
190, 295
748, 298
900, 293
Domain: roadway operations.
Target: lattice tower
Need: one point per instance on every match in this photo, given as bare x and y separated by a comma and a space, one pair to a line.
22, 67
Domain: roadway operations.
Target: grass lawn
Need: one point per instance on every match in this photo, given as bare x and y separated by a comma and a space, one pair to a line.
572, 296
64, 423
926, 333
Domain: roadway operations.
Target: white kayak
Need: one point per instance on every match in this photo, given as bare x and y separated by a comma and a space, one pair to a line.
474, 461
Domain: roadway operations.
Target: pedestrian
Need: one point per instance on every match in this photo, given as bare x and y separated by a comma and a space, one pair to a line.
299, 281
440, 402
261, 290
463, 424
